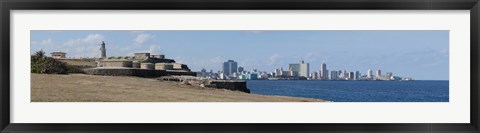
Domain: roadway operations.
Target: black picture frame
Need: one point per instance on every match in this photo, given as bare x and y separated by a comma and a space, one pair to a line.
8, 5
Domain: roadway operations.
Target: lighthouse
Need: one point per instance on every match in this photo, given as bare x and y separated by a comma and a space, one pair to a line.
103, 51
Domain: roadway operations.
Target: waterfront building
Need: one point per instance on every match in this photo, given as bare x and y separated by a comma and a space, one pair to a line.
369, 74
389, 74
202, 73
240, 69
326, 75
379, 73
221, 75
278, 72
340, 74
263, 75
229, 67
314, 75
252, 76
357, 75
323, 72
242, 77
351, 76
293, 69
334, 75
301, 69
248, 76
292, 73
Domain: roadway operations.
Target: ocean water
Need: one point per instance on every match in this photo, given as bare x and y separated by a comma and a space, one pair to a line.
355, 91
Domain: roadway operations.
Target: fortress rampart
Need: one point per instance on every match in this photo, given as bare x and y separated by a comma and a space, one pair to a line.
148, 73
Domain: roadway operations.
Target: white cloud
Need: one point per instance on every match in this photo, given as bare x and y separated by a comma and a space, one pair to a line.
273, 59
216, 60
154, 49
87, 46
143, 38
88, 40
46, 42
94, 38
44, 45
181, 59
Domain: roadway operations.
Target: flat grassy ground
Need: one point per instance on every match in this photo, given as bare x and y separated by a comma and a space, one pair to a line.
91, 88
79, 62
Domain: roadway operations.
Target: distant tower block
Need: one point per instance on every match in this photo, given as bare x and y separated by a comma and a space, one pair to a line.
103, 51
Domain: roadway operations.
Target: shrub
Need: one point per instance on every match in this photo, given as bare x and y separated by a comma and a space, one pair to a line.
43, 64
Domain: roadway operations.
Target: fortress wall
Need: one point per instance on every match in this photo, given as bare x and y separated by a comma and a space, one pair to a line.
117, 64
163, 66
135, 65
181, 73
148, 66
125, 72
231, 85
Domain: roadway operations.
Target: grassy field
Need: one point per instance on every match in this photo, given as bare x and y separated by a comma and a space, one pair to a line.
90, 88
78, 62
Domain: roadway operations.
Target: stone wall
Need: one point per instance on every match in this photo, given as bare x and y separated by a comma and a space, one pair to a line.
231, 85
134, 72
125, 72
116, 63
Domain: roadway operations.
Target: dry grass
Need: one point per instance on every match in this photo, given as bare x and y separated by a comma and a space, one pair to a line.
79, 62
90, 88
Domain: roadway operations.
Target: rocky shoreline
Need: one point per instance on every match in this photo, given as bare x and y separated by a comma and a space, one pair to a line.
234, 85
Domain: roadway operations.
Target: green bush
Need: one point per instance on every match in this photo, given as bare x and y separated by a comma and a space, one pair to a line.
43, 64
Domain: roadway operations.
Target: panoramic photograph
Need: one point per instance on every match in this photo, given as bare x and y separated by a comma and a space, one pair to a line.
239, 65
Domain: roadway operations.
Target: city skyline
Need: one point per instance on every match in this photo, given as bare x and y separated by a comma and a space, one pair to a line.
298, 71
419, 54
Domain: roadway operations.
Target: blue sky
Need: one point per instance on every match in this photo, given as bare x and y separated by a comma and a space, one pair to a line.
419, 54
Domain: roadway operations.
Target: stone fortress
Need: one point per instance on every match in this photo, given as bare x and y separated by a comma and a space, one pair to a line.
140, 64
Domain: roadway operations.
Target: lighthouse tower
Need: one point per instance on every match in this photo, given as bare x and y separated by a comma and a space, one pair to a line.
103, 51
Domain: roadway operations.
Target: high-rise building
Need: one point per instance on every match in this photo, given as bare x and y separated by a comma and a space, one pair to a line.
357, 75
340, 74
334, 75
323, 72
295, 68
278, 72
302, 69
240, 69
379, 73
229, 67
291, 72
351, 76
369, 74
314, 75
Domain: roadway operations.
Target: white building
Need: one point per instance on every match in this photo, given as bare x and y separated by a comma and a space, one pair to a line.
379, 73
302, 69
369, 74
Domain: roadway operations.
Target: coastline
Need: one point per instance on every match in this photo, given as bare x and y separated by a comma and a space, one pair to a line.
94, 88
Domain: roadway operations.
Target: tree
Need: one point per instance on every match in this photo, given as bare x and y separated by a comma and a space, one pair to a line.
43, 64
